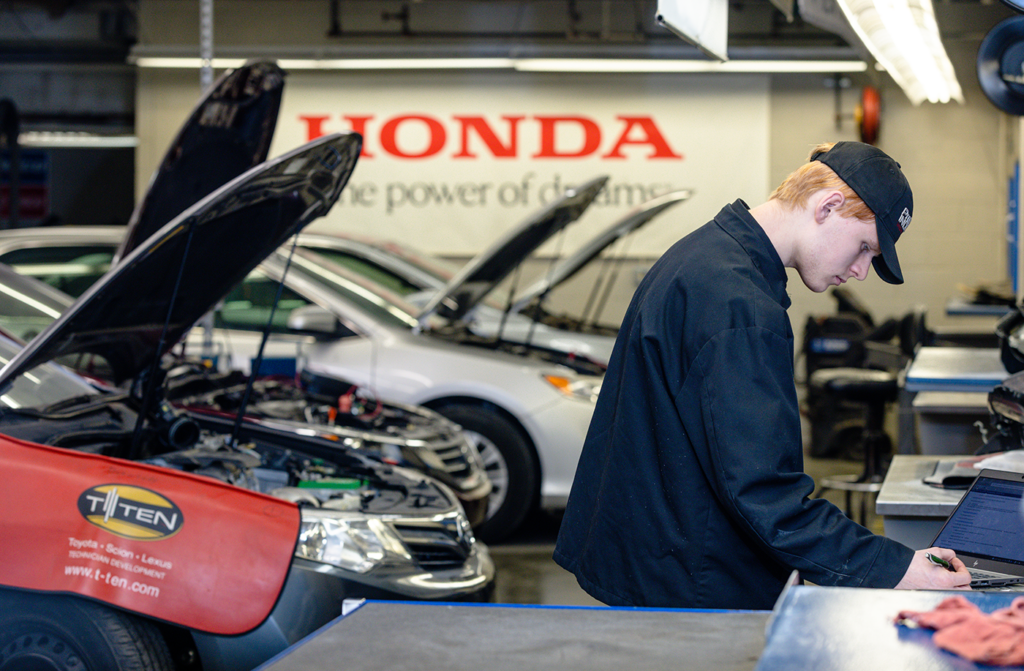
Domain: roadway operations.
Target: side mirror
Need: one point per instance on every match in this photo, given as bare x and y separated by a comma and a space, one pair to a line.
316, 321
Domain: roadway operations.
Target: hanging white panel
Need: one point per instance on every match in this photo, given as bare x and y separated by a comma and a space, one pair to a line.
705, 23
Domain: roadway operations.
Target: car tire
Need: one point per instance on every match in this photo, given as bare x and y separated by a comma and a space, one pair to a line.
509, 462
43, 631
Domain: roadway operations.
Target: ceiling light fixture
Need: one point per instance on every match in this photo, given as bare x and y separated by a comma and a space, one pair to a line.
678, 65
74, 140
607, 65
903, 36
336, 63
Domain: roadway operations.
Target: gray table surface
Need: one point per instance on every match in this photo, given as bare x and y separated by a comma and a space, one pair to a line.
955, 369
400, 635
904, 494
852, 629
964, 307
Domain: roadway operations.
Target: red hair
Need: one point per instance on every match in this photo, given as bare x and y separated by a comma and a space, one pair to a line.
814, 176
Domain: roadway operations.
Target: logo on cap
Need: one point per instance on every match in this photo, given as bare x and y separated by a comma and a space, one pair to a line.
904, 219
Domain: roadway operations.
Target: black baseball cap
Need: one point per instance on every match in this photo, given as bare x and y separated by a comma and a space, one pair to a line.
880, 183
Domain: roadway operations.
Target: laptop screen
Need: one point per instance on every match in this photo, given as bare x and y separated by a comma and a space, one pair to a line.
988, 522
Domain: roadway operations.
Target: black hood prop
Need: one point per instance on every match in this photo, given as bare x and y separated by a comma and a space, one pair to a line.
551, 268
258, 362
153, 378
228, 132
133, 314
609, 271
482, 273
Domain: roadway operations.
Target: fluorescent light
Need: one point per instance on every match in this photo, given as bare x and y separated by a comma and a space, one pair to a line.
529, 64
903, 36
704, 24
187, 63
396, 64
681, 65
70, 140
336, 63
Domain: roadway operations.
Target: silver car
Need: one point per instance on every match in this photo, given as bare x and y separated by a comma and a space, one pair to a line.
418, 277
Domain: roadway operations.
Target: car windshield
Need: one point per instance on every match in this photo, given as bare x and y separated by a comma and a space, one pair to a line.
440, 270
23, 315
42, 386
371, 298
72, 268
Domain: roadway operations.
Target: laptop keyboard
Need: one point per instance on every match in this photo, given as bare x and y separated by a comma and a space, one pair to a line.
978, 574
980, 578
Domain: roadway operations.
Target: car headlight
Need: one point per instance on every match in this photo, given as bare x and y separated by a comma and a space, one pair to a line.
578, 388
350, 541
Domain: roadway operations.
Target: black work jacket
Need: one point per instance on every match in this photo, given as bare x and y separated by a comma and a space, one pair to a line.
690, 490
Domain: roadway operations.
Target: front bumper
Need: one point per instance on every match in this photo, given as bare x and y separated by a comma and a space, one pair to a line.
474, 581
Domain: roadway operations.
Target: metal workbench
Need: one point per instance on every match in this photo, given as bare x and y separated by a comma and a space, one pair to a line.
376, 635
913, 512
811, 627
955, 369
944, 369
847, 629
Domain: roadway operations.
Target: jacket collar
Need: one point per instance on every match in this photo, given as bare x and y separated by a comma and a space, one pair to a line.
736, 220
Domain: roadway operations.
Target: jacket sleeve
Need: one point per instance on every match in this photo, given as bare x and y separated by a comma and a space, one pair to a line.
754, 462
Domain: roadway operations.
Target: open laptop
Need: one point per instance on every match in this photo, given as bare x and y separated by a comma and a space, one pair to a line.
986, 530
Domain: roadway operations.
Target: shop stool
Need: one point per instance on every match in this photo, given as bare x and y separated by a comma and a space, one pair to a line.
875, 389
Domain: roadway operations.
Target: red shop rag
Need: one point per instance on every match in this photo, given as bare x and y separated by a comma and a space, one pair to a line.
961, 628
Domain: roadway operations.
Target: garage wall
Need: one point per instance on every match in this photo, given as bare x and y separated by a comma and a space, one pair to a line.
957, 158
427, 178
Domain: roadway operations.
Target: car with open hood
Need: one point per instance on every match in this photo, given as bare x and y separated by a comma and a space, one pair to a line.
418, 276
233, 122
334, 410
312, 405
525, 408
194, 540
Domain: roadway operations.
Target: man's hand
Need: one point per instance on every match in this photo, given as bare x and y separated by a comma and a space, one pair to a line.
923, 574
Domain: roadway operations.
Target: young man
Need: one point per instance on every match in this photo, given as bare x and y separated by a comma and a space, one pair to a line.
690, 491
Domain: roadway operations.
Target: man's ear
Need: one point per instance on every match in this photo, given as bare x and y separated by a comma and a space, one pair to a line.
827, 202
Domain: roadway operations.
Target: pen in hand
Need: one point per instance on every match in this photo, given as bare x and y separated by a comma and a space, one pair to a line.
940, 561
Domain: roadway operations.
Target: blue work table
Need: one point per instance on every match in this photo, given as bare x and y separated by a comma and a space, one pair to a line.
944, 369
376, 635
847, 629
955, 369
